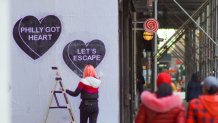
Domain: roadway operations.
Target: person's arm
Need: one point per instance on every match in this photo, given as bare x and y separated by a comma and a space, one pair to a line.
77, 91
181, 116
141, 115
187, 95
73, 93
190, 118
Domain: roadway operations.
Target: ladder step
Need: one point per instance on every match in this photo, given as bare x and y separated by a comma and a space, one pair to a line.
52, 107
56, 91
54, 68
58, 78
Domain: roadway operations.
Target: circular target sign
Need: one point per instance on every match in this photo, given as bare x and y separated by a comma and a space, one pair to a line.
151, 25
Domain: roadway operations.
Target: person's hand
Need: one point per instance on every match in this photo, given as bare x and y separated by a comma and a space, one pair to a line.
67, 91
100, 75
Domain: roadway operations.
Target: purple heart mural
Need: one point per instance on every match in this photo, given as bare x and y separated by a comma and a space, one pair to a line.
35, 36
77, 54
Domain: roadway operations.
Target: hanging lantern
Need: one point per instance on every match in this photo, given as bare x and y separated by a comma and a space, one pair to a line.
148, 36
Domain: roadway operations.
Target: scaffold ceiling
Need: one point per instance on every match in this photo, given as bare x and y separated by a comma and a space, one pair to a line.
169, 14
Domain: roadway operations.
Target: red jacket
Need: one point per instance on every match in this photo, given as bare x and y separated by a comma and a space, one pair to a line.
160, 110
204, 109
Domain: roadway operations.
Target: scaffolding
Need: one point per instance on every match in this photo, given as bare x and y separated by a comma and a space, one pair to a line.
195, 42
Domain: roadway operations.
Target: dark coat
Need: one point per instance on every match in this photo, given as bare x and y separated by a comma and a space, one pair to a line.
140, 84
194, 88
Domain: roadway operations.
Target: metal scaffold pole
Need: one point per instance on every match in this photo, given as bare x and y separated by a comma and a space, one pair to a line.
196, 23
155, 49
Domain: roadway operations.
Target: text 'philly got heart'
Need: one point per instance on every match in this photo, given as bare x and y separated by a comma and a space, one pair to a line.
77, 54
35, 36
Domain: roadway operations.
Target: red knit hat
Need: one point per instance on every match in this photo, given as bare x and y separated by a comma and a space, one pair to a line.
163, 78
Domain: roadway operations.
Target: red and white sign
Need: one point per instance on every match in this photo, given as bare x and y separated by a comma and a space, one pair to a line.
151, 25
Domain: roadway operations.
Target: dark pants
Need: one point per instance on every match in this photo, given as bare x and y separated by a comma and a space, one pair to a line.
89, 110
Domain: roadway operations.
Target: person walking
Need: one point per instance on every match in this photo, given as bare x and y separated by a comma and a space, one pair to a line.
88, 87
204, 109
194, 88
162, 106
140, 83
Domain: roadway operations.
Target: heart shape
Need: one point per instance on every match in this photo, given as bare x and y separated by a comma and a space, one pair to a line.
77, 54
35, 36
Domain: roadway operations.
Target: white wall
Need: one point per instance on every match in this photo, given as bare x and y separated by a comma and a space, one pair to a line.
29, 81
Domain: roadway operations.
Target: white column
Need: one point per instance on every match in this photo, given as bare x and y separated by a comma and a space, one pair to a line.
5, 62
